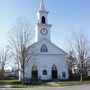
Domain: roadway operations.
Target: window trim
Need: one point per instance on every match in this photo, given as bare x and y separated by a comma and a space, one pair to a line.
44, 48
43, 20
44, 72
63, 75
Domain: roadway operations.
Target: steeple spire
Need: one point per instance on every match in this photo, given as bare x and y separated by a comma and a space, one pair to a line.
42, 6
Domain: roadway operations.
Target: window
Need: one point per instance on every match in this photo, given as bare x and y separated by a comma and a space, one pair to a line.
44, 48
64, 75
44, 72
34, 67
43, 19
54, 67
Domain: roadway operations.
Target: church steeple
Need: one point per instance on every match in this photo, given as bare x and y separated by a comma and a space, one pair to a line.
42, 6
42, 26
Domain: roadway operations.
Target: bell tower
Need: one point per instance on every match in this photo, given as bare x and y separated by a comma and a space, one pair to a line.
42, 28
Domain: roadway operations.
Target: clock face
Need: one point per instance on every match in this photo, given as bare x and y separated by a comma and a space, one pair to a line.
44, 31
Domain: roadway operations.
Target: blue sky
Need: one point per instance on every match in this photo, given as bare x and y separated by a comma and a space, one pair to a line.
65, 16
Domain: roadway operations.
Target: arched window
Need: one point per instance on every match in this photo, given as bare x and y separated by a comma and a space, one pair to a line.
44, 48
43, 19
34, 68
44, 72
54, 67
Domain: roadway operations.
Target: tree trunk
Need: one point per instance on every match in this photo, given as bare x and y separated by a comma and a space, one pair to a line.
23, 75
81, 77
2, 73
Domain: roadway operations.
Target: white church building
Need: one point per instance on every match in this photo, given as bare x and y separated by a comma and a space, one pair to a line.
48, 61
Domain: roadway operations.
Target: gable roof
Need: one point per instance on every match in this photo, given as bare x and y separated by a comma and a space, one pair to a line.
52, 48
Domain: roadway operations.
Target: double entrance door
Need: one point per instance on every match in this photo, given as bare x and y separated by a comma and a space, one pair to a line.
54, 74
35, 74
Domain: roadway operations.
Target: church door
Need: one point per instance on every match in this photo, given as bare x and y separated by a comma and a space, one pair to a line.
54, 72
34, 73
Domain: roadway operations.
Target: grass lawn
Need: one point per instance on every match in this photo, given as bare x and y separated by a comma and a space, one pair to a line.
63, 83
9, 82
67, 83
17, 84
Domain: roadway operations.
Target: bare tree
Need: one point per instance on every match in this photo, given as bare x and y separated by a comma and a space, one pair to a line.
4, 58
71, 61
79, 47
20, 39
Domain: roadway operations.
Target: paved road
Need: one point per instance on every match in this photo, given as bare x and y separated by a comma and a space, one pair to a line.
79, 87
